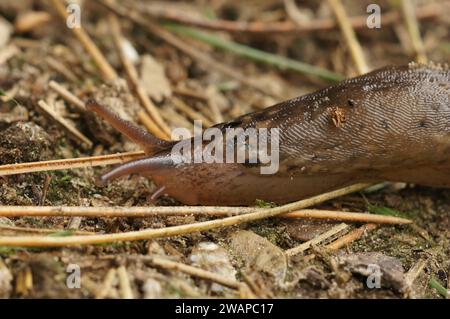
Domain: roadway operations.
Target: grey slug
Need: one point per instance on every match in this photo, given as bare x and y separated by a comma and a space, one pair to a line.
391, 124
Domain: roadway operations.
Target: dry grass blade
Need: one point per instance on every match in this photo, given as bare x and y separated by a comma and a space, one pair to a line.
61, 68
74, 133
134, 80
40, 230
415, 271
317, 240
124, 283
106, 69
176, 230
206, 211
151, 126
66, 95
191, 270
350, 237
293, 12
107, 284
413, 29
71, 163
192, 114
348, 217
349, 36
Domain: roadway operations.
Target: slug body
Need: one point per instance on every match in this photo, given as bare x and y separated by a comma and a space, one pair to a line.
391, 124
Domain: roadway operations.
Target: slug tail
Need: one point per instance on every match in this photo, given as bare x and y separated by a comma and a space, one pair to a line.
150, 143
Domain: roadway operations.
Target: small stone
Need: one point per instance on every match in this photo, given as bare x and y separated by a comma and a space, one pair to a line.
212, 257
259, 254
370, 264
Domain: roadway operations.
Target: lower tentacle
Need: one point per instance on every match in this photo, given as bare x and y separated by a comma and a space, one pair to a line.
146, 165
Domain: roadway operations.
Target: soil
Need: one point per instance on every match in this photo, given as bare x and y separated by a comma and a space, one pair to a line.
28, 135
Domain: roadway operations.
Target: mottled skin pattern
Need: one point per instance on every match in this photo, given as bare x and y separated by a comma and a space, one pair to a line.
391, 124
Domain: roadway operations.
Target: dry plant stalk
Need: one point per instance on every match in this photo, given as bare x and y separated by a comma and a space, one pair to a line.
413, 29
124, 283
191, 270
317, 240
106, 69
107, 284
415, 271
192, 114
151, 126
40, 230
347, 216
61, 68
73, 132
67, 95
71, 163
350, 237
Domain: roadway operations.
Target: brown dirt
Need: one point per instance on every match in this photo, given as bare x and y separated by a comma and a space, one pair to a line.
27, 135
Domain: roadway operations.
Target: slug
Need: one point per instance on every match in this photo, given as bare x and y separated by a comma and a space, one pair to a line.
392, 124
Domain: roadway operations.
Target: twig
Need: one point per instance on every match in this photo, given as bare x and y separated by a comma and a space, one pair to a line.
191, 270
349, 36
190, 94
106, 69
287, 27
169, 114
45, 187
350, 237
293, 12
176, 230
257, 55
317, 240
205, 211
205, 60
192, 114
30, 20
134, 79
414, 272
413, 29
40, 230
111, 275
55, 165
77, 135
67, 95
151, 126
124, 283
347, 216
259, 292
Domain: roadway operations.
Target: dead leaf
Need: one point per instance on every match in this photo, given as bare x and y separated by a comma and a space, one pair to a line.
259, 254
212, 257
153, 79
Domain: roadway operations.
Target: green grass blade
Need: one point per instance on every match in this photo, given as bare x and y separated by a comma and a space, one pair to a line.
439, 288
281, 62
